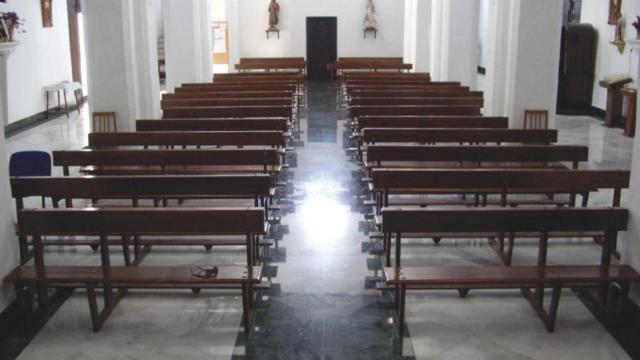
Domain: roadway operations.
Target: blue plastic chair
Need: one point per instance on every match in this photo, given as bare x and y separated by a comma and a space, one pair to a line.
30, 163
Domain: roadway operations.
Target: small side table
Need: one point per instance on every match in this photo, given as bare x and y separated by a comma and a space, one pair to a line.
65, 87
630, 125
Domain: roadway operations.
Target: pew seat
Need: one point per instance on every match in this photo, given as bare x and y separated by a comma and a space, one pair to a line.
124, 278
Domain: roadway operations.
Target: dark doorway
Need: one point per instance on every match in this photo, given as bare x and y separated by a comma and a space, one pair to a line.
322, 46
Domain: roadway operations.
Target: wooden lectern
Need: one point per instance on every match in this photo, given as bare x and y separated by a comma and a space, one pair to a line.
613, 84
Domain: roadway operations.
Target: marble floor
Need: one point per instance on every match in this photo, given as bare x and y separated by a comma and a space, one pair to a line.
321, 304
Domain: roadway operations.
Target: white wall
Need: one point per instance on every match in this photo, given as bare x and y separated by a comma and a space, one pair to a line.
157, 9
218, 10
609, 60
417, 34
42, 58
253, 21
483, 33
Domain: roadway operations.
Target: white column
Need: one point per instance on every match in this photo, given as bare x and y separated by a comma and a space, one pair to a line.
9, 250
122, 59
233, 21
454, 39
187, 36
417, 34
631, 246
523, 58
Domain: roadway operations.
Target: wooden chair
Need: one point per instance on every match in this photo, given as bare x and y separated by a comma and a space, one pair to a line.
536, 119
104, 122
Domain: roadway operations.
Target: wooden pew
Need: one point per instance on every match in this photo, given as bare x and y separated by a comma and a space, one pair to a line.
249, 60
416, 101
432, 122
441, 87
452, 135
458, 135
524, 278
409, 156
224, 102
241, 124
212, 112
229, 95
453, 92
256, 187
396, 82
349, 75
503, 182
255, 74
38, 223
606, 220
275, 139
171, 162
237, 87
355, 112
269, 66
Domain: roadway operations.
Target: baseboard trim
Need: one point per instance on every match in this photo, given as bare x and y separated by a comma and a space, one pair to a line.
32, 121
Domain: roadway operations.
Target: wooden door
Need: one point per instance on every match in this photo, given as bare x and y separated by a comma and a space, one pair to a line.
322, 46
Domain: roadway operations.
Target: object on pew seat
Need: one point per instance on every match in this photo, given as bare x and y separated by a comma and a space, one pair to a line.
536, 119
104, 122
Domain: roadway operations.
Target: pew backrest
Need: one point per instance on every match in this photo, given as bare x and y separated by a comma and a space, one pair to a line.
188, 138
242, 124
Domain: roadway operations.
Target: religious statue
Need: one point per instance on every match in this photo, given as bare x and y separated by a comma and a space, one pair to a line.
370, 22
618, 40
274, 15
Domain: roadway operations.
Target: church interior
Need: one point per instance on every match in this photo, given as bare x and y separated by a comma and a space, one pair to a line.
298, 179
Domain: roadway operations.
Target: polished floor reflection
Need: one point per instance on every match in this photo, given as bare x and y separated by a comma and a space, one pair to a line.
323, 303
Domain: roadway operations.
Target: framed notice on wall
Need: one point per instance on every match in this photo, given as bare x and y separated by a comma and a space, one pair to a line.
220, 36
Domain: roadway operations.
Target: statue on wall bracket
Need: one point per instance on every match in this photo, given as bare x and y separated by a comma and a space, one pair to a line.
274, 15
274, 18
370, 23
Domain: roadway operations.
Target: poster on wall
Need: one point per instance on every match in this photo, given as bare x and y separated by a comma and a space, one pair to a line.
47, 13
219, 37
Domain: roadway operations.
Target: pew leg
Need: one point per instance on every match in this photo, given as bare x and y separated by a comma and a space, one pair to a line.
622, 297
510, 245
534, 299
246, 310
401, 309
463, 292
126, 251
99, 317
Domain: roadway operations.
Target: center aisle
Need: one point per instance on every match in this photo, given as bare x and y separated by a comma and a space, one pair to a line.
318, 307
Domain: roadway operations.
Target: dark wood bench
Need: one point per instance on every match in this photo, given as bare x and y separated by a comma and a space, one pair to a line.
205, 88
524, 278
213, 102
427, 122
347, 75
241, 124
273, 65
399, 101
458, 135
275, 139
452, 135
398, 82
503, 182
433, 87
137, 188
355, 112
102, 223
409, 156
430, 93
542, 221
228, 95
170, 162
228, 112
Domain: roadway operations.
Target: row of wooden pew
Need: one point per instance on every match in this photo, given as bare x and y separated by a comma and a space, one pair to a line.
435, 168
132, 194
